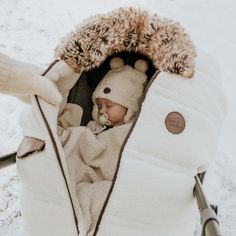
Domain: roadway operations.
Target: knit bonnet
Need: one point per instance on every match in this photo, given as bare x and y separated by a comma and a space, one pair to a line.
122, 84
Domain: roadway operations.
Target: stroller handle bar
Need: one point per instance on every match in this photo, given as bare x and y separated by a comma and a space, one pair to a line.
209, 219
7, 160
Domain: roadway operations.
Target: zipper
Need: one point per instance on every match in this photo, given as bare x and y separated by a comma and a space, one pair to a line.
121, 151
56, 149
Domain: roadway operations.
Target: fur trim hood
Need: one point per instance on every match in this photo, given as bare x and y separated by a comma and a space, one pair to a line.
162, 40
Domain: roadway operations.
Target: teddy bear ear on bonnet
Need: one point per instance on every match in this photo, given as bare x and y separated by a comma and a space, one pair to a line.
122, 84
116, 63
139, 65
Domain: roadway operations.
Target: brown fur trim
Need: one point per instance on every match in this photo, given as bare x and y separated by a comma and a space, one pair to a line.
128, 29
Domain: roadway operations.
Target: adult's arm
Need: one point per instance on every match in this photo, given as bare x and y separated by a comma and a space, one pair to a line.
22, 79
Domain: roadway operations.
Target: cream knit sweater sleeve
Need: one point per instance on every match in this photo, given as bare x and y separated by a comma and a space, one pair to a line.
17, 77
23, 79
5, 67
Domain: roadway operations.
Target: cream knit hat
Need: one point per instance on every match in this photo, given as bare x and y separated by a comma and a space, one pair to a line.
123, 84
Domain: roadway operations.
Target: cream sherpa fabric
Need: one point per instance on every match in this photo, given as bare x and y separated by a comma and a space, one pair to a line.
104, 161
71, 116
124, 85
92, 160
92, 196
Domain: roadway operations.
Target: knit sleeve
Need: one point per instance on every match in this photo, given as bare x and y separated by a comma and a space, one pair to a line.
5, 66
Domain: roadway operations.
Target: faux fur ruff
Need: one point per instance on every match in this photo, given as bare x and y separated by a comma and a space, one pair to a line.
162, 40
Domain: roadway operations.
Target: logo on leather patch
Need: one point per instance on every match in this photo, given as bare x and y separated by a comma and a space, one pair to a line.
175, 122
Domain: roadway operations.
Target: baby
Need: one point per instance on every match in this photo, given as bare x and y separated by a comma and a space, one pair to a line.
116, 103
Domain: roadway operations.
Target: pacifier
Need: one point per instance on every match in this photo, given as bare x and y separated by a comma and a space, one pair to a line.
103, 120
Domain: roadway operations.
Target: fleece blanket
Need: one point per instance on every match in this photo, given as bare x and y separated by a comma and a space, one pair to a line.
92, 158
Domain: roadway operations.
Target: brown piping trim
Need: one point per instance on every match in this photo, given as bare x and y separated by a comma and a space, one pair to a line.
121, 151
55, 147
49, 67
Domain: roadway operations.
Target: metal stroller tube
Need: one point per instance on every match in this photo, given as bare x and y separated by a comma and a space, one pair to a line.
7, 160
209, 219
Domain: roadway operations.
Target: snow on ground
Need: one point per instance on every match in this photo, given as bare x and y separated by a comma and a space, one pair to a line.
29, 31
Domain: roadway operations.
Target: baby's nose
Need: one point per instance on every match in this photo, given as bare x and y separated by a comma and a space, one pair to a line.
102, 110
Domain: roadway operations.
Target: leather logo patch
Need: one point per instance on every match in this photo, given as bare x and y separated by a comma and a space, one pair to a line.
175, 122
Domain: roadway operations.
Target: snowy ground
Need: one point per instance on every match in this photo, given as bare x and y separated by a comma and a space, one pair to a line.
29, 31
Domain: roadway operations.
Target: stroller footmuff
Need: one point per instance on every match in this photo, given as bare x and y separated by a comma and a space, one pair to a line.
173, 138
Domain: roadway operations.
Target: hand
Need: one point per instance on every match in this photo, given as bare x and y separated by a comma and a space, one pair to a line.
66, 76
95, 127
65, 81
30, 82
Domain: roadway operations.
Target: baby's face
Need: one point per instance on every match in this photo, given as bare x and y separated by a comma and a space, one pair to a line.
115, 112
